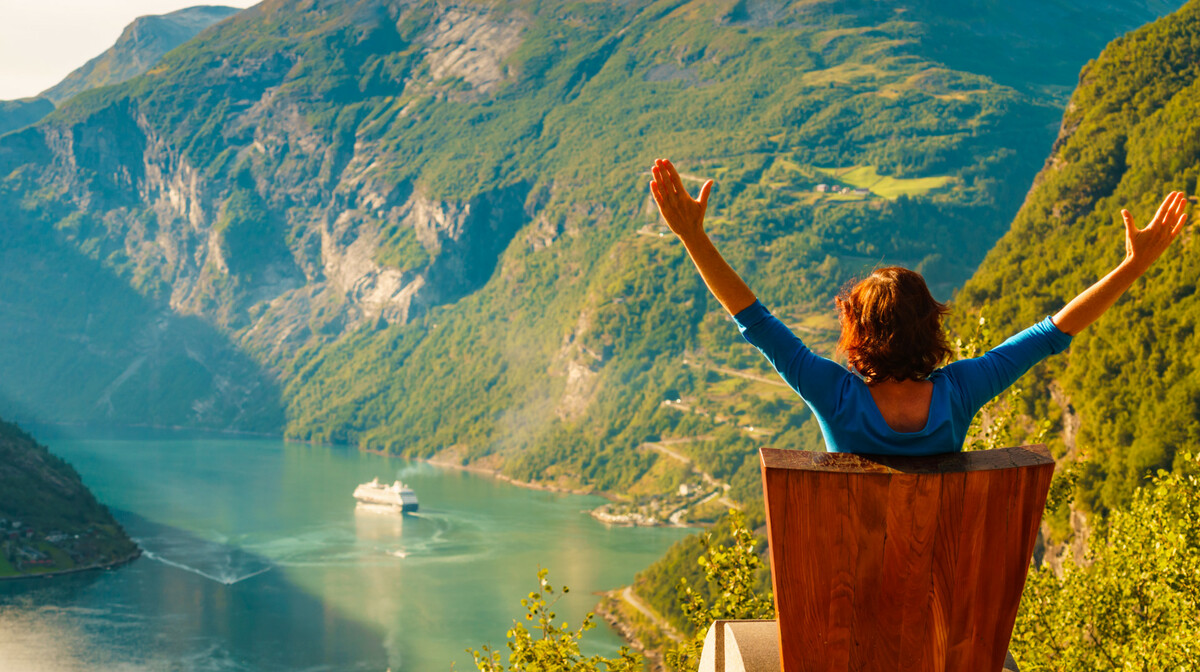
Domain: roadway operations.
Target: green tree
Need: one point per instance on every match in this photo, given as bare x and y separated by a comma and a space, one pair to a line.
730, 571
557, 647
1133, 602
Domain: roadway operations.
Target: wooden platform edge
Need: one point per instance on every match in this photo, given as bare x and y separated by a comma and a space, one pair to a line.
857, 463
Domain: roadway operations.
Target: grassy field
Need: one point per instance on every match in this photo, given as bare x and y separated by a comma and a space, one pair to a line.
884, 185
843, 73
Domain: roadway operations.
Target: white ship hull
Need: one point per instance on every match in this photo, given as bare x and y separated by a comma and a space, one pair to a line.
396, 497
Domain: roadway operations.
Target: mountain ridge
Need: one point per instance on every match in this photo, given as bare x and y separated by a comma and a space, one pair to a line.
138, 48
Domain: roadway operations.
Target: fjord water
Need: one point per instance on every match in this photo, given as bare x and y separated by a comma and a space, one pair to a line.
255, 559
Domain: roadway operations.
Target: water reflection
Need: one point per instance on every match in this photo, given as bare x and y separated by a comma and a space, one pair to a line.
376, 525
188, 604
258, 560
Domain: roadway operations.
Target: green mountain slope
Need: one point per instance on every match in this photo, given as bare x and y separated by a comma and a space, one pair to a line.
429, 224
49, 521
19, 113
1129, 387
138, 48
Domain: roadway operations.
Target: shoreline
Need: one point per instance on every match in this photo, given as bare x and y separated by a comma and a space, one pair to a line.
137, 553
596, 513
530, 485
174, 428
489, 471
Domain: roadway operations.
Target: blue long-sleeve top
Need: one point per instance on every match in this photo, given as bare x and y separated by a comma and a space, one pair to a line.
846, 411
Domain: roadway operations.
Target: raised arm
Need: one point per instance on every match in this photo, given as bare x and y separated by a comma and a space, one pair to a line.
685, 216
1142, 248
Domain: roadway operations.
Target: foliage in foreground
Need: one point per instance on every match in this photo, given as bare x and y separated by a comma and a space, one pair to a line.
557, 647
1134, 601
730, 571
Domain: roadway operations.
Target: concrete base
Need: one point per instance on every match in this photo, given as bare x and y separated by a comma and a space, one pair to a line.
753, 646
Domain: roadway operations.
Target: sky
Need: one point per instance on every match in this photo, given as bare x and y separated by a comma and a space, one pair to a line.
41, 41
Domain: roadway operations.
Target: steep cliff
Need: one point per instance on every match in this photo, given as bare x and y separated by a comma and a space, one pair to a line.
1127, 393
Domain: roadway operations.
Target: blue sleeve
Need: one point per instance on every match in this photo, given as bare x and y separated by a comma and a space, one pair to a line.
981, 379
816, 379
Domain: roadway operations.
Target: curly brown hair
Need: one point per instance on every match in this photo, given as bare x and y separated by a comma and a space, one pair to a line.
892, 326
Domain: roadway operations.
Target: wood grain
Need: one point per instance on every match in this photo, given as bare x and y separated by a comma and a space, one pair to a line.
891, 563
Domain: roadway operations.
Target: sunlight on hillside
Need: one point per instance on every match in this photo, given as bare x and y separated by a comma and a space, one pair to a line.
886, 186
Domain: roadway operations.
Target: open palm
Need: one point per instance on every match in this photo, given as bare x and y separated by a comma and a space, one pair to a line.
684, 214
1144, 246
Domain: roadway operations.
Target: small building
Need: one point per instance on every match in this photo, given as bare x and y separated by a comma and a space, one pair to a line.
861, 191
822, 188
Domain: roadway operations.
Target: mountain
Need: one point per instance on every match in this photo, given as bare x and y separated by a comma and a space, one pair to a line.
1127, 394
19, 113
425, 228
139, 47
49, 521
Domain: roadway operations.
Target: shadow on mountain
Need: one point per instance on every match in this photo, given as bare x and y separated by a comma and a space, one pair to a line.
1024, 44
191, 602
80, 345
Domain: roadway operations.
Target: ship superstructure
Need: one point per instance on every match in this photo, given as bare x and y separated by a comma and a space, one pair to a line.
397, 496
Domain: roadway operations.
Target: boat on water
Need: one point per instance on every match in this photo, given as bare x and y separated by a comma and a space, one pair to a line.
396, 497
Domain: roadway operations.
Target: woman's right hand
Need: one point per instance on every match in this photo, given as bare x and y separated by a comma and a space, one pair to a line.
1144, 246
684, 214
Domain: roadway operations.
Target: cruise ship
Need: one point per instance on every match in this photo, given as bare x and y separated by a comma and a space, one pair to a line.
395, 497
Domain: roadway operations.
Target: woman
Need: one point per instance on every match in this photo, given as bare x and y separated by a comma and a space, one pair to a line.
900, 402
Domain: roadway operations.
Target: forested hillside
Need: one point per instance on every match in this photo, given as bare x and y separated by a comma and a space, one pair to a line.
19, 113
424, 228
49, 520
1127, 395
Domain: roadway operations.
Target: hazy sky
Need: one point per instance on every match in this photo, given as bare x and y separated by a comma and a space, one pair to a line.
43, 40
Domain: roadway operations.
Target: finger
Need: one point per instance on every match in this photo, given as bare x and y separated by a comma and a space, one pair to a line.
665, 209
1179, 226
668, 184
1130, 227
1180, 204
676, 182
1166, 204
660, 180
664, 177
704, 192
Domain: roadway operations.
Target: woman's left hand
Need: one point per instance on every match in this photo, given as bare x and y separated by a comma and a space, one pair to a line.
684, 214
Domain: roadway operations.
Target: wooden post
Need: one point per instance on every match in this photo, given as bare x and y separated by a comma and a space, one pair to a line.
883, 563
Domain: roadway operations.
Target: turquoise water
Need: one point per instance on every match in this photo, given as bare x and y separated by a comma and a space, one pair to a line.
256, 559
